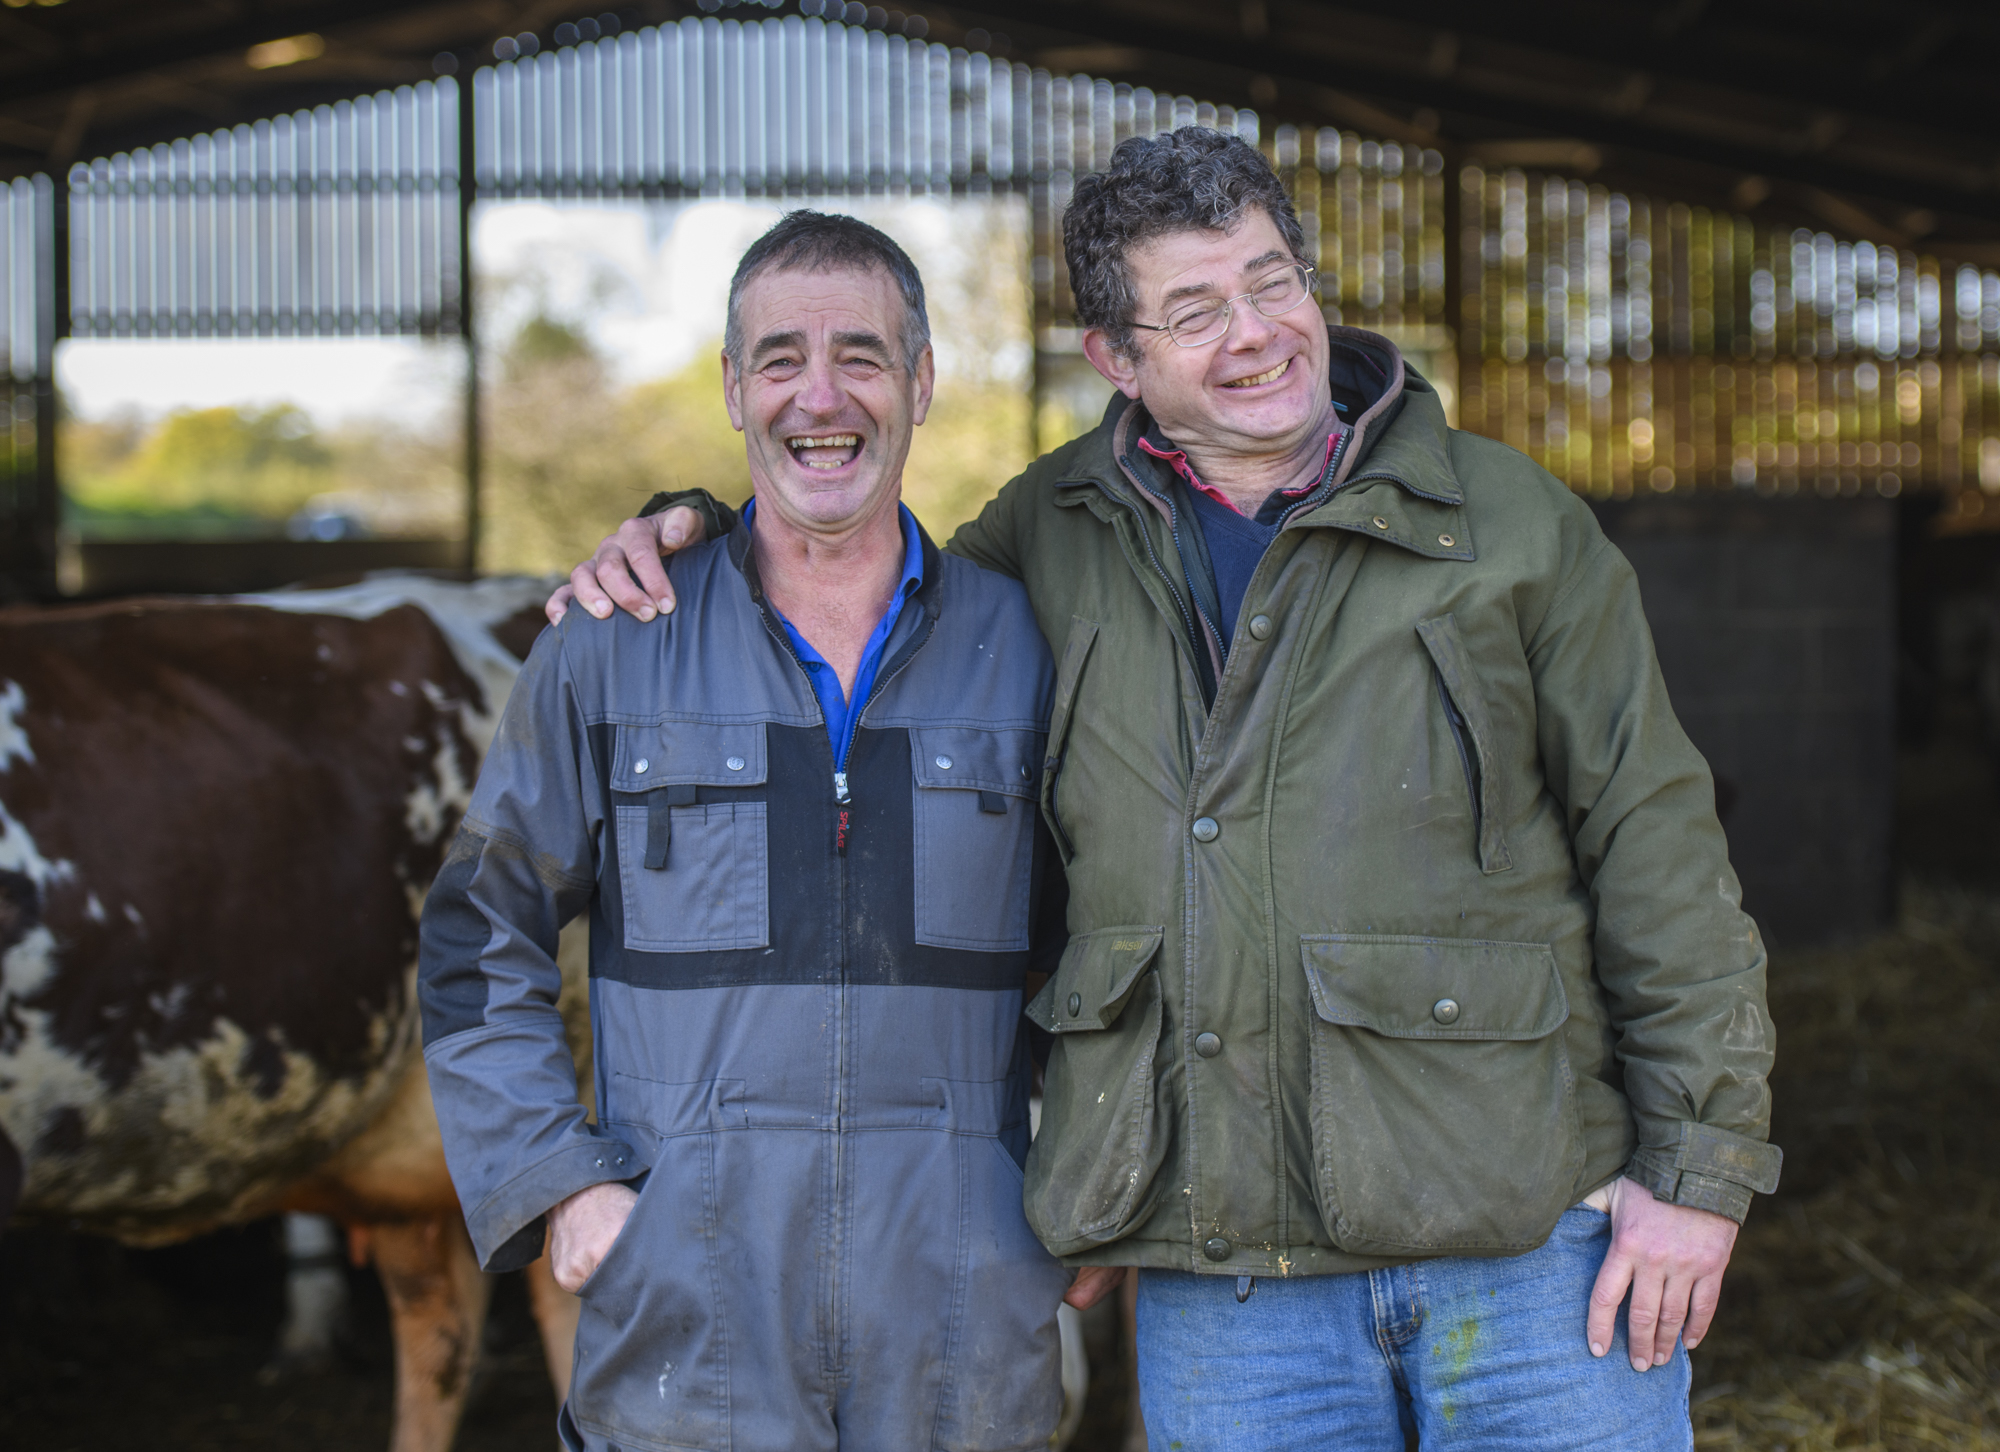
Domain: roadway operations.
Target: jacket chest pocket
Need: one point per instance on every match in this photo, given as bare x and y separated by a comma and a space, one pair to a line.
1464, 704
694, 873
974, 827
1076, 652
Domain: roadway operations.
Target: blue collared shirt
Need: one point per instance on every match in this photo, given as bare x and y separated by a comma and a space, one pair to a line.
842, 713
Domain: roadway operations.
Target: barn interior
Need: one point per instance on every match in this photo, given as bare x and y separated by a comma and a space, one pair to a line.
1732, 272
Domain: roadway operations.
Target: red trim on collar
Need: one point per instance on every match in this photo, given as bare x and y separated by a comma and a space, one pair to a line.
1179, 460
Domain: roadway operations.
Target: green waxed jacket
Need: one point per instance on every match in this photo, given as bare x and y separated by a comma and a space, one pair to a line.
1406, 922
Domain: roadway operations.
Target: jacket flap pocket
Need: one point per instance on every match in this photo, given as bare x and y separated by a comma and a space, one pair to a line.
1098, 973
1436, 988
688, 753
971, 759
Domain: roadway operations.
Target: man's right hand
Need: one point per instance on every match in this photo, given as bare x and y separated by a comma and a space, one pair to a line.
626, 570
582, 1228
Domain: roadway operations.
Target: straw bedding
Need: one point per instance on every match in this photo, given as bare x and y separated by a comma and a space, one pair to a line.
1862, 1308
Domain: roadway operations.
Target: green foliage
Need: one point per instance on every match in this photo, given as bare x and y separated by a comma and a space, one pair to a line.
975, 440
543, 340
683, 429
244, 471
569, 454
226, 463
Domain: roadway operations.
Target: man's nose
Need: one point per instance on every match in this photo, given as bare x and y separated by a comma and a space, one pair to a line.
1248, 329
821, 392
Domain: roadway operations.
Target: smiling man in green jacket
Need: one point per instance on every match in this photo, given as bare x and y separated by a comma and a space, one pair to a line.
1410, 1024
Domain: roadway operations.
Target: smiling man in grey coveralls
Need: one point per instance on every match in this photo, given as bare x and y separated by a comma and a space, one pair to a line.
801, 820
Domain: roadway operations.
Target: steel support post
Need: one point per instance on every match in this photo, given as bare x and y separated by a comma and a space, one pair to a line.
468, 187
37, 539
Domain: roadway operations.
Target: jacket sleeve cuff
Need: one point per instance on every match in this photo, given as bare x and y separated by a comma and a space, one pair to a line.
1709, 1169
716, 516
508, 1226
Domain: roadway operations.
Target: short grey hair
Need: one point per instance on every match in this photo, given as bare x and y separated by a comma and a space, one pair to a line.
809, 241
1193, 179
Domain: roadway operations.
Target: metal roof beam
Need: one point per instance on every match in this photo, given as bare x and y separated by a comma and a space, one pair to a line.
1815, 155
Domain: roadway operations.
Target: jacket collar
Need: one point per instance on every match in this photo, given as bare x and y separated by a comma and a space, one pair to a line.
1395, 458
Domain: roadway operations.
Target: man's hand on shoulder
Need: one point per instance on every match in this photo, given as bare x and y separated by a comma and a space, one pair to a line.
1671, 1258
582, 1228
626, 572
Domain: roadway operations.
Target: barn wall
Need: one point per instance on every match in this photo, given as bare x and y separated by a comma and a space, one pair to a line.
1775, 621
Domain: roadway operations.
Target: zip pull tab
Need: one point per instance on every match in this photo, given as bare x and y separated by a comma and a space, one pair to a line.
845, 817
840, 786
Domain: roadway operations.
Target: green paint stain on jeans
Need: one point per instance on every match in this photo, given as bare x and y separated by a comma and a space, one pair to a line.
1456, 1349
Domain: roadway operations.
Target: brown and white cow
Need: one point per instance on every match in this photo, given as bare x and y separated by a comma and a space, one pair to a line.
217, 823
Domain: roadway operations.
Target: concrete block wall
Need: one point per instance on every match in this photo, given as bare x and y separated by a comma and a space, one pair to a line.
1775, 622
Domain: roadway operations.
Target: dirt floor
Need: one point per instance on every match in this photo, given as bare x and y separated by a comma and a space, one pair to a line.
106, 1348
1862, 1309
103, 1347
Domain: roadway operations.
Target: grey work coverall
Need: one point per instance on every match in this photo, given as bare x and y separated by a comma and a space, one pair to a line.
809, 1047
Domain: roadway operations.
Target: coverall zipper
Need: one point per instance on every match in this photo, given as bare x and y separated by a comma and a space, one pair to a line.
844, 799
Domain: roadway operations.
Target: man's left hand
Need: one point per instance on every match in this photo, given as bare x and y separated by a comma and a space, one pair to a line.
1671, 1259
1092, 1284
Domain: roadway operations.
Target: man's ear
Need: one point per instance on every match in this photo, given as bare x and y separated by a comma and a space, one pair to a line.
926, 381
731, 398
1120, 371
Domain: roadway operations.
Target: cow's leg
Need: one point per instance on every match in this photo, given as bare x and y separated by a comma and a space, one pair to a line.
315, 1298
555, 1311
437, 1308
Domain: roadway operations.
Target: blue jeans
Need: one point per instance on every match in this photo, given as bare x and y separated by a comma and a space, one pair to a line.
1468, 1353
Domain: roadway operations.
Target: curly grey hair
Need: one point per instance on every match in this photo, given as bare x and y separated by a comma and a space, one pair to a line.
809, 241
1193, 179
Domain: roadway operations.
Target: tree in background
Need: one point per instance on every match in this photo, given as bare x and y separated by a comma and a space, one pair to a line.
216, 465
245, 471
570, 454
976, 438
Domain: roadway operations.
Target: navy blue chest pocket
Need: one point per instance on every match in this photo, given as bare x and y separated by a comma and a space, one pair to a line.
974, 823
694, 874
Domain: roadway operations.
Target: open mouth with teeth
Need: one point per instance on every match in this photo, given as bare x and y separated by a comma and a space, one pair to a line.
825, 451
1262, 378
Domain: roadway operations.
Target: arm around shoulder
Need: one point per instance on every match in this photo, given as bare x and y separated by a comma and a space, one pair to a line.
717, 518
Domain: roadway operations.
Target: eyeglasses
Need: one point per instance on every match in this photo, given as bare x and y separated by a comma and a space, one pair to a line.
1206, 319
